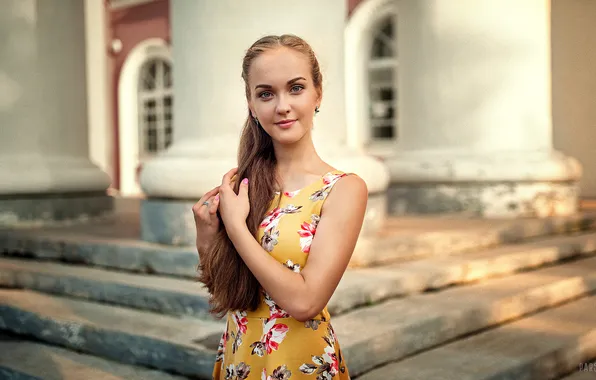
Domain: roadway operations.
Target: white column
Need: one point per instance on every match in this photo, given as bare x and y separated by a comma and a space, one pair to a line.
43, 111
209, 40
475, 111
99, 89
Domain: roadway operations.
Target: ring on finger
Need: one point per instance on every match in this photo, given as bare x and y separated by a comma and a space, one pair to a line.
206, 203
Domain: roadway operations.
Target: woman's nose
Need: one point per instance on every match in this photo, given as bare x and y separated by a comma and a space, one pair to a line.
283, 106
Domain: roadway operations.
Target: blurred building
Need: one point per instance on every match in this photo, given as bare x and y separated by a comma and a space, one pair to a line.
453, 97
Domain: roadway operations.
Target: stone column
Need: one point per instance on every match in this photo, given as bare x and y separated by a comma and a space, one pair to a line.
475, 112
45, 171
209, 40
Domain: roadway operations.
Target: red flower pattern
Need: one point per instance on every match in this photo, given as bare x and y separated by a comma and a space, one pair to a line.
273, 334
307, 232
241, 321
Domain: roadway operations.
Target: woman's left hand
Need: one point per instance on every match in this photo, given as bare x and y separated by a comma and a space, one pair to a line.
233, 208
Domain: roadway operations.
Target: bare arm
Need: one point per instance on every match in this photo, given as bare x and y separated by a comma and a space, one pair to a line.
303, 295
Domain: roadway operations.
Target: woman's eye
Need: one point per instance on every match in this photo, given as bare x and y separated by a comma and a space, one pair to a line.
265, 95
297, 88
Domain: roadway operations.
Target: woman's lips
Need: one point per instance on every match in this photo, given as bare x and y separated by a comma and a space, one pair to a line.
285, 124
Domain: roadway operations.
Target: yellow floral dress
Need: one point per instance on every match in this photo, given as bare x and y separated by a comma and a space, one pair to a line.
268, 344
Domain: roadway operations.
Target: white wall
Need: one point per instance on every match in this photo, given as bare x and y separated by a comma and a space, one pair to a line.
574, 84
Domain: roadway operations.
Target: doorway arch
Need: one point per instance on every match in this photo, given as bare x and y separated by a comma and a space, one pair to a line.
144, 109
362, 30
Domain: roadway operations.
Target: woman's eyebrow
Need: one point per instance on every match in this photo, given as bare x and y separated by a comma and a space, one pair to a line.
269, 86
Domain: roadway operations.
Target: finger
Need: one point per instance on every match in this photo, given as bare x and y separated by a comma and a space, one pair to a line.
243, 191
196, 208
225, 182
205, 211
213, 205
208, 195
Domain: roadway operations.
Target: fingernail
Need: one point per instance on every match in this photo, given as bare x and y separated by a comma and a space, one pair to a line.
217, 197
245, 181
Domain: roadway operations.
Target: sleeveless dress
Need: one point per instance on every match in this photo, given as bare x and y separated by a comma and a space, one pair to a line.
268, 344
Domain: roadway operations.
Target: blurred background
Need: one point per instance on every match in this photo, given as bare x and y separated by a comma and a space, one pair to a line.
471, 121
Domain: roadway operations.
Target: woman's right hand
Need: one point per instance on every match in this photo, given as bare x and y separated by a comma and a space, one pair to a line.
206, 219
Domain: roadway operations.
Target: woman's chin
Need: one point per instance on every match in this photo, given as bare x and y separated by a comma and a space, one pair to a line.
289, 138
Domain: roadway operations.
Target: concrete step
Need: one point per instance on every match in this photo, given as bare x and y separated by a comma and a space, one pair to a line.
372, 285
395, 329
370, 336
122, 254
408, 238
165, 295
28, 360
540, 347
359, 287
115, 246
128, 336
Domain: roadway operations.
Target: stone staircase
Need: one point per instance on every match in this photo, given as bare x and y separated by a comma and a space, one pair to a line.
448, 298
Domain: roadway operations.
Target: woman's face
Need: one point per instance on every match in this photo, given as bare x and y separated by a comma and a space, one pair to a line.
283, 96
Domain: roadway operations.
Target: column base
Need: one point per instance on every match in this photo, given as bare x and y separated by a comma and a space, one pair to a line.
25, 210
50, 174
177, 179
171, 222
506, 185
489, 200
168, 221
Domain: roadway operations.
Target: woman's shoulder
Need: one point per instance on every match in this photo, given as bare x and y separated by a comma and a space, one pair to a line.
350, 183
345, 186
348, 196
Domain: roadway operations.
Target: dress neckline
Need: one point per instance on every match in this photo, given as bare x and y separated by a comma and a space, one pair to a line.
310, 184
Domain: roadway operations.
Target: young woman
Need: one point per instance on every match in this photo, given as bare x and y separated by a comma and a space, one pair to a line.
286, 237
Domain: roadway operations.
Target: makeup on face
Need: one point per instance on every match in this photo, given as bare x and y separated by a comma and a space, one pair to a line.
283, 95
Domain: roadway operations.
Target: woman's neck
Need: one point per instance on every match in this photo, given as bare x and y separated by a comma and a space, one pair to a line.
298, 163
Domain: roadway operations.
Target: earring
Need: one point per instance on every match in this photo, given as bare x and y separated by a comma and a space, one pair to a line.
317, 110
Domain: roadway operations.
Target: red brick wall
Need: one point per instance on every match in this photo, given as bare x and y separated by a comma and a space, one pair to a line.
352, 4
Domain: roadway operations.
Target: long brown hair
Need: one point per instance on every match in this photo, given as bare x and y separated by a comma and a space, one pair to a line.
223, 272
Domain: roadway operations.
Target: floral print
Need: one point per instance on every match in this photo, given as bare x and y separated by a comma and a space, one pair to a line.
273, 334
272, 218
239, 372
327, 365
267, 343
240, 320
236, 340
269, 240
293, 267
274, 310
312, 324
221, 348
329, 180
291, 194
269, 225
280, 373
307, 232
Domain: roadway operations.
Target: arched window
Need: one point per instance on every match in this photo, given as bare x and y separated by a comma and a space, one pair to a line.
155, 107
382, 67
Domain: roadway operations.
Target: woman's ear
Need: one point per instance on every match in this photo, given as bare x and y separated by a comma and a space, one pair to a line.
319, 99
